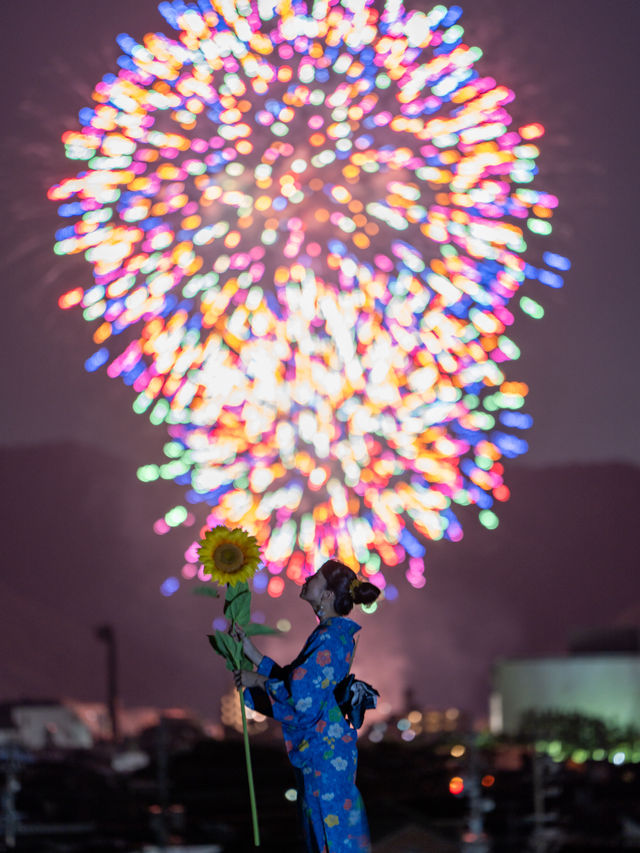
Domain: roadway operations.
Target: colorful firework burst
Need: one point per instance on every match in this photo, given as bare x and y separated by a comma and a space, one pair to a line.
307, 223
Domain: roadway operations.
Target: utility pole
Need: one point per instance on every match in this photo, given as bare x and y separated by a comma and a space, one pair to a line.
543, 833
162, 757
11, 819
475, 839
106, 635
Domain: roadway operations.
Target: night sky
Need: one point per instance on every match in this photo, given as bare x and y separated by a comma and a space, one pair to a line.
77, 522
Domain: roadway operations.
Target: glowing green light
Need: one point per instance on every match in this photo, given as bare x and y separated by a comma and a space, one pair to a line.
483, 421
531, 307
554, 748
471, 401
539, 226
504, 401
488, 519
508, 347
521, 176
484, 462
447, 140
176, 516
94, 311
142, 403
159, 412
373, 564
173, 469
173, 449
453, 34
98, 215
78, 153
148, 473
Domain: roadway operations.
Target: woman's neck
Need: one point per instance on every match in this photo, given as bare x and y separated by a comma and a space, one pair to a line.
324, 616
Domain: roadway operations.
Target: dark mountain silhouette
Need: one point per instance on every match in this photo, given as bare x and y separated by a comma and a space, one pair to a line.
79, 551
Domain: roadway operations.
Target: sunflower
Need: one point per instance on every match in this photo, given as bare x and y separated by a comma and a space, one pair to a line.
229, 556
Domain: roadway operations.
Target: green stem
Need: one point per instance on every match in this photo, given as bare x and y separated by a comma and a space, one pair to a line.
252, 793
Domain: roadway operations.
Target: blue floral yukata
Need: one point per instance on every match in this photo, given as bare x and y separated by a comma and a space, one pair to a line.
321, 744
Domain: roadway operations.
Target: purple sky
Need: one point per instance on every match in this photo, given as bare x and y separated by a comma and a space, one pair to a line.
573, 67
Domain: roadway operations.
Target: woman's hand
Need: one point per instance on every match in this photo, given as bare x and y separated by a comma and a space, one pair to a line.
248, 648
244, 678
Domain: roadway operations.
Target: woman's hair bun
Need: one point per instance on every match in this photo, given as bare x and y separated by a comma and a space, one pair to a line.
365, 593
347, 588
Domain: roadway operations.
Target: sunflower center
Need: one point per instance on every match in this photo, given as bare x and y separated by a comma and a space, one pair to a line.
228, 557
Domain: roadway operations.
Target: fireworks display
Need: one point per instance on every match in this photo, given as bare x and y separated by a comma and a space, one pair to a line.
307, 224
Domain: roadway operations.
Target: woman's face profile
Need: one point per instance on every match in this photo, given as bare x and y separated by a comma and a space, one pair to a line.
313, 588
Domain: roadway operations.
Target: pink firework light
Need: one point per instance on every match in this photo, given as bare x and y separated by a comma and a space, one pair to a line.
307, 227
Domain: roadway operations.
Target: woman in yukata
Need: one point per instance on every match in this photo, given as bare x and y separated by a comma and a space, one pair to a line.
320, 742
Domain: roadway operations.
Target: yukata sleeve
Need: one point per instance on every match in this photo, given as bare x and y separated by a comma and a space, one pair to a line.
255, 697
270, 668
300, 698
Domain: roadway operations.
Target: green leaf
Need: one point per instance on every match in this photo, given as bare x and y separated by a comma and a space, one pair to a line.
237, 607
229, 648
253, 628
216, 645
236, 590
206, 590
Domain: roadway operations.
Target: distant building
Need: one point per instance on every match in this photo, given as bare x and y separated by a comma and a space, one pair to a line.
37, 724
600, 678
67, 724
